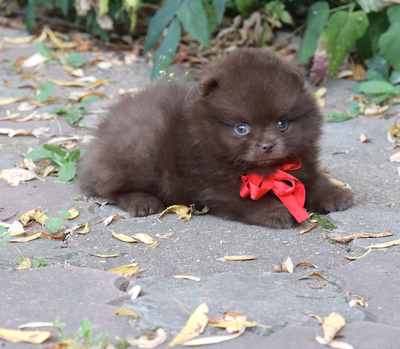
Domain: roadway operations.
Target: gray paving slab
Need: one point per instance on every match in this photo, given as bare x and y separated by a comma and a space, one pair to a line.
77, 284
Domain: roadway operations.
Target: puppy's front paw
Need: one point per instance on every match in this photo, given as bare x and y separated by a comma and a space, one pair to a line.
337, 199
140, 204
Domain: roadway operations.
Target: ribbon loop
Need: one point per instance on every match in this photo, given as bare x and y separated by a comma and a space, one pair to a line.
292, 196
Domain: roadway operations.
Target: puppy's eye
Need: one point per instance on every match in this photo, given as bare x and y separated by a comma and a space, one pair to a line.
282, 125
242, 129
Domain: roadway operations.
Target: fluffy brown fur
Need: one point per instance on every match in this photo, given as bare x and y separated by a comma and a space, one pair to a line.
171, 144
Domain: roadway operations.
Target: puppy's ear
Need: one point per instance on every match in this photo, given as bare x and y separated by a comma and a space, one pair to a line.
207, 86
298, 75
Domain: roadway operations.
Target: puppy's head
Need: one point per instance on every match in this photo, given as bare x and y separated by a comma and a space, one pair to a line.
251, 111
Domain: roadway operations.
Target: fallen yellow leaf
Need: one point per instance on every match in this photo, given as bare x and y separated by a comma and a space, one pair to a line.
126, 311
395, 157
11, 100
85, 230
16, 336
27, 238
183, 211
149, 340
194, 326
14, 176
108, 220
28, 217
284, 266
123, 237
19, 39
316, 317
364, 138
105, 255
362, 235
193, 278
387, 244
125, 270
306, 264
97, 83
240, 258
16, 229
147, 240
40, 217
320, 92
213, 339
314, 275
306, 230
332, 325
25, 264
68, 83
74, 213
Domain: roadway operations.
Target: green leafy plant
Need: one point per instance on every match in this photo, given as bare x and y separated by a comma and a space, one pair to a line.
44, 91
74, 113
13, 63
41, 262
65, 162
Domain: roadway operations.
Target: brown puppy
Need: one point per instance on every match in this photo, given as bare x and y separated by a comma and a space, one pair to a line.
171, 144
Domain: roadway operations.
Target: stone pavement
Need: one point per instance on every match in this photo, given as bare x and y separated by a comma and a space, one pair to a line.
77, 284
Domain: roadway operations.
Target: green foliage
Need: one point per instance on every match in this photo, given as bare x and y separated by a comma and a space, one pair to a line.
44, 91
74, 113
12, 62
41, 262
66, 163
75, 59
325, 222
389, 42
245, 7
279, 10
85, 330
62, 211
40, 47
53, 224
316, 21
338, 117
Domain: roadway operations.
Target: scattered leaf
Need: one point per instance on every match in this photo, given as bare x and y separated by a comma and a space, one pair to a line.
28, 76
36, 325
16, 336
26, 264
362, 235
320, 92
316, 317
332, 325
74, 213
123, 237
358, 300
27, 238
126, 311
7, 101
240, 258
134, 291
85, 230
306, 230
213, 339
164, 236
14, 176
108, 220
149, 340
82, 95
387, 244
314, 275
105, 255
28, 217
193, 278
194, 326
340, 184
364, 138
284, 266
333, 344
125, 270
19, 39
96, 84
16, 229
68, 83
34, 60
395, 157
183, 211
40, 217
306, 264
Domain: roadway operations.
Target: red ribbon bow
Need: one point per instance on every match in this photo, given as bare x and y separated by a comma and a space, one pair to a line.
292, 197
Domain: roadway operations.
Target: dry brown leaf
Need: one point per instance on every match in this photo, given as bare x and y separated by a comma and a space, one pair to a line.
306, 264
34, 60
362, 235
374, 109
97, 83
357, 299
183, 211
105, 255
134, 291
82, 95
108, 220
14, 176
28, 217
16, 229
68, 83
123, 237
27, 118
240, 258
16, 336
333, 344
193, 278
49, 169
364, 138
213, 339
358, 71
194, 326
394, 134
395, 157
387, 244
164, 236
306, 230
10, 117
150, 340
125, 270
19, 39
7, 101
332, 325
25, 264
284, 266
28, 76
316, 317
147, 240
126, 311
40, 217
340, 184
314, 275
27, 238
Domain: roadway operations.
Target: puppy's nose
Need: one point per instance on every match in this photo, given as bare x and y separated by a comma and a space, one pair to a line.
267, 147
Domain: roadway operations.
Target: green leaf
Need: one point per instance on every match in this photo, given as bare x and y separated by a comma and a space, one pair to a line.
373, 87
64, 212
99, 31
368, 44
245, 7
395, 78
219, 6
85, 330
48, 3
194, 20
279, 9
165, 53
61, 153
211, 15
73, 155
340, 35
103, 7
42, 154
30, 15
63, 5
2, 230
159, 21
338, 117
379, 64
389, 42
381, 98
41, 48
354, 108
45, 91
375, 76
53, 224
87, 101
316, 21
75, 59
67, 172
